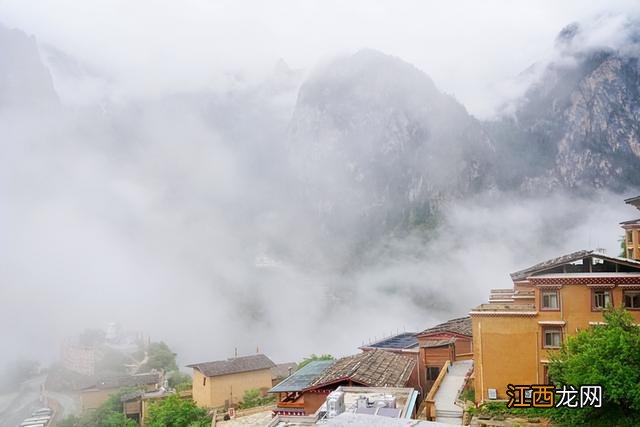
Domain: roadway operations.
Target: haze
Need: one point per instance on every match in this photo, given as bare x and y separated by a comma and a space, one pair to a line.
157, 193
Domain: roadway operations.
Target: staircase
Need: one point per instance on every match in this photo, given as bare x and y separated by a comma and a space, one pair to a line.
446, 410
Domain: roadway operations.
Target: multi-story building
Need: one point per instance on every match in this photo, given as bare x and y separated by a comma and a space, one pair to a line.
632, 232
517, 331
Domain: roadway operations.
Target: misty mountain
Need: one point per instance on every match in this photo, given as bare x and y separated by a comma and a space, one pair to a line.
376, 144
25, 83
577, 127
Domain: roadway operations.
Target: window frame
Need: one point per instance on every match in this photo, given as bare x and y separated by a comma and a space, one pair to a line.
549, 291
429, 369
546, 329
624, 302
593, 298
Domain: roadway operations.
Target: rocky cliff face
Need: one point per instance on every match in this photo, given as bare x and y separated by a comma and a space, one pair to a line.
577, 127
25, 83
374, 141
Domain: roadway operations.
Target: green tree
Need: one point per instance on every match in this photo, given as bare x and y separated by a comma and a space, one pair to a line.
606, 355
176, 412
623, 246
179, 380
314, 357
109, 414
254, 397
160, 356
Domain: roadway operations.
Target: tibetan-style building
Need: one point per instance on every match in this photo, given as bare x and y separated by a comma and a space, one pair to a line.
632, 232
515, 333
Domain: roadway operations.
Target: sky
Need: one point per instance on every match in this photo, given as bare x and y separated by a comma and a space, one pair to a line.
148, 47
145, 211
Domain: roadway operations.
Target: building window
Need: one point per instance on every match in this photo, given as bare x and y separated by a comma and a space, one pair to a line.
632, 299
432, 373
601, 299
550, 300
630, 253
551, 337
629, 237
204, 381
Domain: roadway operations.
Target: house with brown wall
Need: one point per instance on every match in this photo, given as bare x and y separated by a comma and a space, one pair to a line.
448, 341
223, 383
375, 368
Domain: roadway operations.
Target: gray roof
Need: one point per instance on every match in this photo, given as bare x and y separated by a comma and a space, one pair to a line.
301, 378
234, 365
438, 343
634, 201
461, 326
375, 368
126, 381
569, 258
283, 370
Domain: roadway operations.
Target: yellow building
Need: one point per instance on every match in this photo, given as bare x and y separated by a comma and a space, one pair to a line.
95, 395
223, 383
515, 333
632, 232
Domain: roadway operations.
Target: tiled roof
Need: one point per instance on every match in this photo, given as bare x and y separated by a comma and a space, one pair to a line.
550, 263
126, 381
634, 201
569, 258
631, 222
438, 343
461, 325
376, 368
283, 370
301, 378
234, 365
401, 341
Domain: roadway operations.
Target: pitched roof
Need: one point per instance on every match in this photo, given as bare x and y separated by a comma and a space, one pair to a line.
234, 365
438, 343
401, 341
461, 326
569, 258
126, 381
283, 370
376, 368
634, 201
301, 378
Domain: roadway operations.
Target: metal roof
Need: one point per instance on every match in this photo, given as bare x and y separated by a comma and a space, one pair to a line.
400, 341
301, 378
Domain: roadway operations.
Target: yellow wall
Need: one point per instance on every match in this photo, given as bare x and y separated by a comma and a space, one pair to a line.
229, 389
634, 243
93, 398
509, 350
